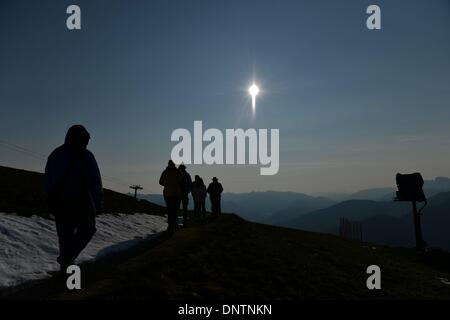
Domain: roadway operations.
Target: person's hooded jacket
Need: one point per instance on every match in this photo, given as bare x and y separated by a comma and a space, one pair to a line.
171, 179
73, 173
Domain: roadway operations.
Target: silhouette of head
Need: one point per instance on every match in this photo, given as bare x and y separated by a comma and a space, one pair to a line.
171, 163
182, 167
215, 179
77, 137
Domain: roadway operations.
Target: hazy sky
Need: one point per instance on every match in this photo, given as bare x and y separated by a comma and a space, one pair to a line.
353, 106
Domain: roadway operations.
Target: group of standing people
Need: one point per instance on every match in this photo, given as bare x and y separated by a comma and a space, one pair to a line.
178, 184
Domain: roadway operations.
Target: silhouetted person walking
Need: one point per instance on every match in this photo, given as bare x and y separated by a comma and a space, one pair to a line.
171, 181
186, 187
75, 193
199, 195
215, 190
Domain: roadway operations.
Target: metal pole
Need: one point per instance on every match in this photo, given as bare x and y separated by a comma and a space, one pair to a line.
417, 227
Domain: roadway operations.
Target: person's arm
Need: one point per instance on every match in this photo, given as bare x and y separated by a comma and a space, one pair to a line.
95, 182
220, 188
161, 179
189, 182
180, 180
47, 178
51, 174
203, 191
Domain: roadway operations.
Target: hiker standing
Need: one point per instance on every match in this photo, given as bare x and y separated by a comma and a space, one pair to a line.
215, 190
74, 189
199, 195
186, 187
171, 181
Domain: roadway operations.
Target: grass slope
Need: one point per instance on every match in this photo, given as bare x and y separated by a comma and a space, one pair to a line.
21, 192
230, 258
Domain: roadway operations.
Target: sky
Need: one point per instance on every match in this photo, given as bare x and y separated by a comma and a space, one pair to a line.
353, 106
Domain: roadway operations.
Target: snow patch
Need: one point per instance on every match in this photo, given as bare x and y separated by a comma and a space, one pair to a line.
29, 246
444, 281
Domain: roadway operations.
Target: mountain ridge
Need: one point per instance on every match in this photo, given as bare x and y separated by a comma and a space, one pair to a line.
21, 192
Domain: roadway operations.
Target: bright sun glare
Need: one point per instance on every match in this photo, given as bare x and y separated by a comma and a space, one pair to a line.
253, 91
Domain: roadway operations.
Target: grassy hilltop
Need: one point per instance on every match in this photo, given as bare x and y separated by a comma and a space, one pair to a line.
230, 258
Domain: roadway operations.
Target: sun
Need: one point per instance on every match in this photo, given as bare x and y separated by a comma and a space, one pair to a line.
253, 91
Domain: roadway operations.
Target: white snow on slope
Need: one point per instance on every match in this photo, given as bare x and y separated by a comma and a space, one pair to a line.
29, 246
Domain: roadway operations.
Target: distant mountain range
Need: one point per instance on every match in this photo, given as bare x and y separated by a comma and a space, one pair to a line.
388, 223
270, 207
327, 220
431, 188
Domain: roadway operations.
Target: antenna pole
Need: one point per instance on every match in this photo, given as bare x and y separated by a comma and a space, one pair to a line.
136, 188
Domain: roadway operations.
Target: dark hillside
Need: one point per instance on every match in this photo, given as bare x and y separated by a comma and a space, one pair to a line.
230, 258
21, 192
